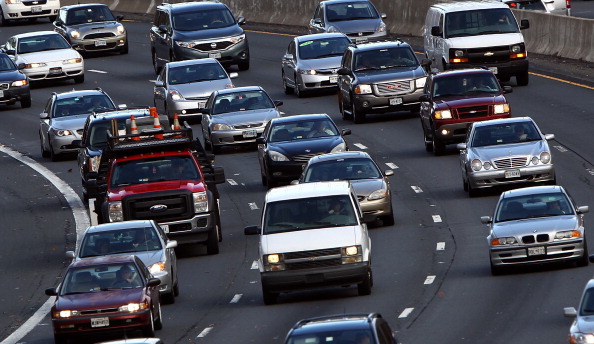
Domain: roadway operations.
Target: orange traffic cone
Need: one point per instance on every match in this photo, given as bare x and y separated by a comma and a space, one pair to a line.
157, 124
176, 122
134, 128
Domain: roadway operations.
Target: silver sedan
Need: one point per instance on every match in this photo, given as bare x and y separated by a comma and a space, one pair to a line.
237, 116
311, 62
505, 151
535, 225
143, 238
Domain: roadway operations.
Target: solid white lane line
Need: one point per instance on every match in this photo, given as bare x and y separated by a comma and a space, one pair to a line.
360, 145
204, 332
406, 312
416, 189
436, 218
429, 279
236, 298
440, 246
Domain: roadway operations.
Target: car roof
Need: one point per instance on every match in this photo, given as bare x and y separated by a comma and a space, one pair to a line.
333, 323
339, 155
322, 35
380, 44
306, 190
239, 89
463, 71
36, 33
111, 259
75, 6
206, 60
184, 6
341, 1
116, 226
501, 120
532, 190
295, 118
469, 5
78, 93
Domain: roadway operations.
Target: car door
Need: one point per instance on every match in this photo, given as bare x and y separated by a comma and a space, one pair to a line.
425, 103
45, 123
161, 37
345, 81
316, 24
289, 63
263, 147
160, 91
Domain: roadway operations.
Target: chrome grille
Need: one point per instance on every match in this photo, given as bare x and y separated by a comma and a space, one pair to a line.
209, 46
99, 311
305, 157
472, 111
393, 88
531, 239
99, 35
249, 125
313, 259
511, 162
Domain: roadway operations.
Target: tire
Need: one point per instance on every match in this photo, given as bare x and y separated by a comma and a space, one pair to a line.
212, 243
26, 102
44, 153
297, 90
263, 180
52, 18
159, 320
388, 220
428, 143
60, 339
124, 49
270, 183
364, 288
176, 288
437, 147
497, 270
3, 21
269, 297
207, 143
358, 116
53, 156
215, 148
583, 261
464, 185
522, 79
288, 89
244, 65
149, 329
79, 79
155, 62
472, 192
168, 298
344, 114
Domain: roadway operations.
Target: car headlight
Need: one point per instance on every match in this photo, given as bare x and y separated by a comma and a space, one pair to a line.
33, 65
66, 314
157, 267
363, 89
276, 156
72, 61
61, 132
545, 157
184, 44
503, 241
381, 27
19, 83
274, 262
175, 95
487, 165
568, 234
115, 211
378, 194
352, 254
443, 114
133, 307
94, 163
516, 48
237, 39
581, 338
221, 126
501, 108
200, 202
120, 29
74, 34
476, 165
420, 82
341, 147
333, 29
307, 71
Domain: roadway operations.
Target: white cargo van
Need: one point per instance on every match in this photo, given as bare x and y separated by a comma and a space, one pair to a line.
312, 235
477, 33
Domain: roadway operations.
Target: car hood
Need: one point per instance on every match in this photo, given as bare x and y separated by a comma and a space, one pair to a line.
548, 224
311, 239
148, 257
354, 26
11, 75
480, 41
585, 324
48, 56
247, 116
217, 33
322, 63
364, 187
200, 89
70, 122
86, 28
306, 146
391, 74
99, 299
532, 148
119, 193
469, 100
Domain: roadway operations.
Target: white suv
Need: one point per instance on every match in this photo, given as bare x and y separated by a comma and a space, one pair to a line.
28, 9
312, 235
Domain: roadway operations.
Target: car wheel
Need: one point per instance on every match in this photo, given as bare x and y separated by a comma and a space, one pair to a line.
358, 116
207, 143
288, 89
263, 179
270, 183
473, 192
168, 298
52, 18
464, 184
364, 288
269, 297
522, 79
3, 21
583, 261
44, 153
216, 149
496, 270
60, 339
212, 243
159, 320
26, 102
341, 108
176, 288
53, 155
149, 329
428, 143
124, 49
79, 79
437, 147
297, 90
244, 65
155, 62
388, 220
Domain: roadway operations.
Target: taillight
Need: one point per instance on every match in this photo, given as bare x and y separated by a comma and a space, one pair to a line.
568, 3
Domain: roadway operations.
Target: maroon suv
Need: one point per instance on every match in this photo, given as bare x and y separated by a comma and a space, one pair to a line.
453, 99
105, 294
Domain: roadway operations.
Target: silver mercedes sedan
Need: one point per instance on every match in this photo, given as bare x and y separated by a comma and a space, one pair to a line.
311, 62
237, 116
371, 185
534, 225
505, 151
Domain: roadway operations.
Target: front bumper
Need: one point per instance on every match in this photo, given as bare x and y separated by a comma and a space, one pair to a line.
235, 136
20, 10
285, 170
14, 94
528, 174
371, 103
116, 42
194, 230
166, 278
378, 207
288, 280
63, 144
318, 81
49, 73
554, 252
504, 70
186, 109
234, 54
117, 322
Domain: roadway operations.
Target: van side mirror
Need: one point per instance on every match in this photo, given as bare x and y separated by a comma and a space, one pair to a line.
507, 89
524, 24
241, 20
251, 230
436, 31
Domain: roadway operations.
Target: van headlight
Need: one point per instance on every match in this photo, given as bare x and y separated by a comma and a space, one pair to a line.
420, 82
115, 211
352, 254
274, 262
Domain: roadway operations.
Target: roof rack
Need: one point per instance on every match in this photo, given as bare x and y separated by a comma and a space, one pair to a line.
368, 316
380, 40
150, 140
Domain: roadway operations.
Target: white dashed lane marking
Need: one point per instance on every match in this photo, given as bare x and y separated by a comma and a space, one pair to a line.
416, 189
254, 265
391, 165
253, 206
440, 246
436, 218
561, 149
429, 279
360, 145
204, 332
236, 298
406, 312
97, 71
231, 181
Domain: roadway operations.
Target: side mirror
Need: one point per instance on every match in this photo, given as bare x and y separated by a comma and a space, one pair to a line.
426, 64
204, 111
11, 52
241, 20
171, 244
486, 219
70, 254
507, 89
44, 115
424, 98
153, 282
288, 57
58, 22
122, 106
524, 24
261, 140
549, 137
569, 312
251, 230
51, 292
461, 146
343, 71
278, 103
436, 31
383, 15
583, 209
119, 17
219, 174
388, 173
317, 21
162, 28
345, 132
233, 75
159, 83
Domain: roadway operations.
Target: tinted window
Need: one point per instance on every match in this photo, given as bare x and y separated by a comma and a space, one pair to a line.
385, 59
203, 20
320, 48
350, 11
505, 133
154, 170
333, 337
82, 105
196, 73
300, 130
242, 101
120, 241
341, 169
96, 278
514, 208
465, 84
89, 14
40, 43
480, 22
6, 63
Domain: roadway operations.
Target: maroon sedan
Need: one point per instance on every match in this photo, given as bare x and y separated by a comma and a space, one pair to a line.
106, 294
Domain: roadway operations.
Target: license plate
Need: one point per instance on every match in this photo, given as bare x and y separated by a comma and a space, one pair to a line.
249, 134
101, 43
512, 174
395, 101
536, 251
165, 228
99, 322
201, 104
55, 70
333, 79
493, 69
35, 9
1, 94
214, 55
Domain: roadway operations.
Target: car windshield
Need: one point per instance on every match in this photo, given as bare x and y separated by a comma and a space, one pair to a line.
242, 101
141, 171
350, 11
341, 169
39, 43
466, 85
302, 130
203, 20
531, 206
587, 304
6, 63
126, 240
321, 48
330, 336
196, 73
387, 58
504, 133
480, 22
308, 213
91, 14
101, 278
536, 5
79, 105
96, 136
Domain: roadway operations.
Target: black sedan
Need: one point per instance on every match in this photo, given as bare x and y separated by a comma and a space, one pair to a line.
288, 143
14, 85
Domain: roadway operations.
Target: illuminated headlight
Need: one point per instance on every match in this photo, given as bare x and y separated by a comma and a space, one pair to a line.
19, 83
72, 61
459, 53
307, 71
157, 267
352, 254
339, 148
200, 202
476, 165
120, 29
501, 108
503, 241
13, 1
363, 89
115, 211
221, 126
175, 95
568, 234
74, 34
581, 338
35, 65
94, 163
545, 157
378, 194
516, 48
333, 29
237, 39
274, 262
273, 259
443, 114
185, 44
381, 27
61, 132
276, 156
132, 307
66, 314
420, 82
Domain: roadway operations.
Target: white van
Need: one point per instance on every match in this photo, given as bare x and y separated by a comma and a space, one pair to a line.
478, 33
312, 235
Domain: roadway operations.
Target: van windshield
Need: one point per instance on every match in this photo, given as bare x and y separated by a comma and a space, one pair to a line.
480, 22
309, 213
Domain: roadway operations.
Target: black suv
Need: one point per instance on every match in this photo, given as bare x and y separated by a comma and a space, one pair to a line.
379, 77
195, 30
343, 328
